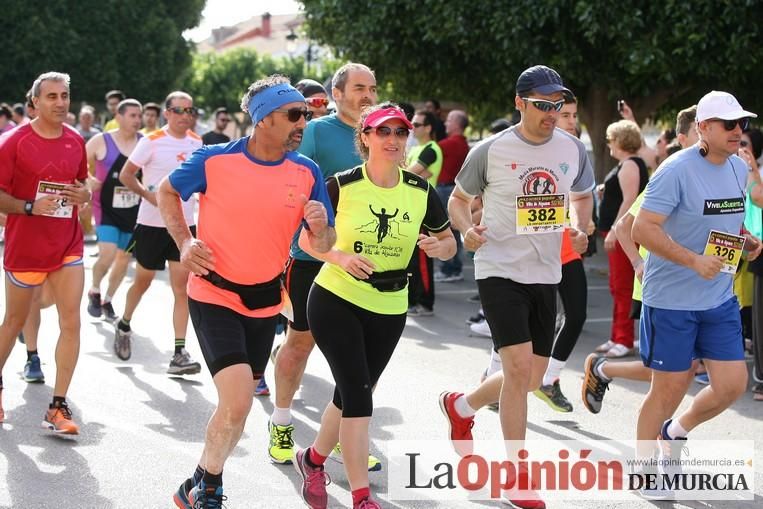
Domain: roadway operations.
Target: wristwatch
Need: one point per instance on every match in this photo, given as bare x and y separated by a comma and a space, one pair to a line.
28, 206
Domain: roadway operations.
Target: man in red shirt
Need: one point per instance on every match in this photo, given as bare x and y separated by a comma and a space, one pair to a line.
454, 149
43, 168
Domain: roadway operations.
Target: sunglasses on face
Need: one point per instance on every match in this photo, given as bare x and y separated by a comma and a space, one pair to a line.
177, 110
317, 102
730, 125
385, 132
293, 114
544, 105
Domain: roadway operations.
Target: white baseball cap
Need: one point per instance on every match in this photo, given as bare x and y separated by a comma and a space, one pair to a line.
721, 105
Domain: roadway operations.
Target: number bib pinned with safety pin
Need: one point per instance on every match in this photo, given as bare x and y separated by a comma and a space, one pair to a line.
540, 213
727, 246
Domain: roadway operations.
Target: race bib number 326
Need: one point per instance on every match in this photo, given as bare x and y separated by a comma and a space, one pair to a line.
541, 213
727, 246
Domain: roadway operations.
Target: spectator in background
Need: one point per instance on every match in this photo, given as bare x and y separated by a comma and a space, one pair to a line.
618, 192
86, 119
113, 98
500, 125
217, 135
19, 114
433, 105
424, 160
652, 156
151, 114
454, 149
31, 110
315, 96
71, 119
6, 118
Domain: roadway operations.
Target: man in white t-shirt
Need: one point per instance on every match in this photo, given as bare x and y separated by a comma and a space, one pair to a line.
156, 155
527, 176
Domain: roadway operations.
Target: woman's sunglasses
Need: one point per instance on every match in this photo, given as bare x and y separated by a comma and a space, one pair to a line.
730, 125
293, 114
384, 131
317, 102
545, 106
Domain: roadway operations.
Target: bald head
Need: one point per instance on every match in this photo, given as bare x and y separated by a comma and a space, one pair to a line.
456, 123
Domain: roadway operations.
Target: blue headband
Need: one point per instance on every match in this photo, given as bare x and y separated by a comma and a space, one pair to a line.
263, 103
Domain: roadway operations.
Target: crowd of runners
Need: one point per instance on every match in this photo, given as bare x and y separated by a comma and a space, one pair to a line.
338, 222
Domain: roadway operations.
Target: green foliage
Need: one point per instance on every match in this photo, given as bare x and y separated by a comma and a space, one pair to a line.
221, 79
658, 55
136, 46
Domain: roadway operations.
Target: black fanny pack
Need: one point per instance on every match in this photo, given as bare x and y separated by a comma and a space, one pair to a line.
388, 281
258, 296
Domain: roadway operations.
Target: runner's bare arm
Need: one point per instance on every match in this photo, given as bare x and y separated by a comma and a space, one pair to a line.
10, 205
581, 210
129, 177
94, 153
459, 209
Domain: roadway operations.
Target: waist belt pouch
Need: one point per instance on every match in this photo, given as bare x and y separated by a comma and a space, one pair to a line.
389, 281
258, 296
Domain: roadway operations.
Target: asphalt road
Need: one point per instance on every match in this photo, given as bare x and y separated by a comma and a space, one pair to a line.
142, 431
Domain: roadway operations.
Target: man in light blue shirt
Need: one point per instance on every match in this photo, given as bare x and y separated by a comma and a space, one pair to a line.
689, 308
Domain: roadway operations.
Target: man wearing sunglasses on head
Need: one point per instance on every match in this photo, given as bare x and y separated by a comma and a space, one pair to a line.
330, 142
527, 175
691, 223
156, 155
316, 98
217, 135
255, 192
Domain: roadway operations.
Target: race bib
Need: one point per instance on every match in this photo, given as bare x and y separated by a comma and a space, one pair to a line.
124, 198
540, 213
55, 188
727, 246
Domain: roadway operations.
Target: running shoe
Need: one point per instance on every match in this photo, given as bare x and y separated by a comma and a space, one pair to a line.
262, 388
604, 347
123, 343
314, 481
419, 310
108, 312
481, 329
281, 446
474, 298
439, 277
58, 419
523, 499
476, 318
459, 428
94, 304
374, 464
618, 351
367, 503
670, 449
206, 497
702, 378
552, 395
33, 372
182, 364
181, 495
757, 391
594, 386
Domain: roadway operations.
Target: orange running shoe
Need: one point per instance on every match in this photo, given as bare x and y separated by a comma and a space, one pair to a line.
58, 419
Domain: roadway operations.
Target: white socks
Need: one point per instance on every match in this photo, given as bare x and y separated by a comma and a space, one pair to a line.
600, 372
281, 416
675, 430
495, 365
463, 408
553, 371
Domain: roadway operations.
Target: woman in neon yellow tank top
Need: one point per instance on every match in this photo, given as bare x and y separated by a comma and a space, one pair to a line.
358, 302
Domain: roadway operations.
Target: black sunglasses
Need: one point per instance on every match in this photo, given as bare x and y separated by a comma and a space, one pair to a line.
384, 131
730, 125
177, 110
293, 114
543, 105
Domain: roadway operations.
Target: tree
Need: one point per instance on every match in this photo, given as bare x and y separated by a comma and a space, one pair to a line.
660, 56
135, 46
221, 79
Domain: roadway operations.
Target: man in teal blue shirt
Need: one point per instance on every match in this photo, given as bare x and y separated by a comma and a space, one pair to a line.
330, 142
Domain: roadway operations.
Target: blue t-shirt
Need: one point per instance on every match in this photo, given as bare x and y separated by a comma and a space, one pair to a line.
331, 143
696, 196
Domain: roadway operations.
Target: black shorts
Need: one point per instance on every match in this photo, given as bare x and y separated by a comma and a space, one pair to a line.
518, 313
227, 338
300, 275
153, 246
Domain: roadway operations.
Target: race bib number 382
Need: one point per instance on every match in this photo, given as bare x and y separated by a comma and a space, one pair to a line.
727, 246
540, 213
